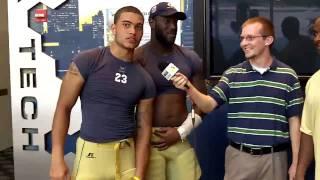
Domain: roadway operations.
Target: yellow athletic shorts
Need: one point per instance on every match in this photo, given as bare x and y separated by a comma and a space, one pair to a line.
178, 162
104, 161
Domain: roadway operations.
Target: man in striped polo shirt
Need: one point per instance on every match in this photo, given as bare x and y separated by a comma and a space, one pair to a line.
265, 103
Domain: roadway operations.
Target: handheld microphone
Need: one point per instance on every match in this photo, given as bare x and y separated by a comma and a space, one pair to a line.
168, 70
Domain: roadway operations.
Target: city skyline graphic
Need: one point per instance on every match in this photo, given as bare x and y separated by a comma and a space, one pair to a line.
78, 25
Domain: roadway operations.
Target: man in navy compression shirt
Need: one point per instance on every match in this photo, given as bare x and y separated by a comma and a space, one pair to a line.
112, 143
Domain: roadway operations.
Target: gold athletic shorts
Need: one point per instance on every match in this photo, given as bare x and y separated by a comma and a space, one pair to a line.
104, 161
178, 162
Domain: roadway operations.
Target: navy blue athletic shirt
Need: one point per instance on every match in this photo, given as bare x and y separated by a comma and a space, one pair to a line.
188, 62
112, 89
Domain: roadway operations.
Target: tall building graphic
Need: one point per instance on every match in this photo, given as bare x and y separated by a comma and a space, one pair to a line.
97, 28
187, 25
109, 13
61, 37
62, 41
64, 18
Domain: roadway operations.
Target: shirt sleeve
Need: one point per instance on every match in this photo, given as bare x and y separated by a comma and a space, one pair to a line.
220, 92
294, 99
307, 120
85, 61
196, 63
150, 89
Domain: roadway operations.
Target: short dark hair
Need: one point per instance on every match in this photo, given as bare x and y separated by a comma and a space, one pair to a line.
131, 9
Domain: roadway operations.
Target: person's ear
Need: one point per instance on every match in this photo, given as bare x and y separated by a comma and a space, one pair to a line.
113, 28
151, 23
269, 40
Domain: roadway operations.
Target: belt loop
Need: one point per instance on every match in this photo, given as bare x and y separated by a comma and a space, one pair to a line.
272, 150
126, 141
241, 147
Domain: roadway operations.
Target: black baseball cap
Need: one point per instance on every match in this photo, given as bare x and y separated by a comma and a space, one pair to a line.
166, 9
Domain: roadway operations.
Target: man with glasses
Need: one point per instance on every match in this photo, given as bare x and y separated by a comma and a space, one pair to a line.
310, 146
265, 102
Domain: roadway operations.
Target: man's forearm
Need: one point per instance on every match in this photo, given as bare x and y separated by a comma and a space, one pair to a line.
142, 139
306, 154
294, 124
188, 125
142, 150
59, 131
204, 102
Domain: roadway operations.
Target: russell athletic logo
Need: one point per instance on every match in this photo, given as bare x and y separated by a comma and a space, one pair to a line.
90, 155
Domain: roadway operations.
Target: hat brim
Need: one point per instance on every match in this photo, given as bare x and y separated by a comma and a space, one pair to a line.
178, 15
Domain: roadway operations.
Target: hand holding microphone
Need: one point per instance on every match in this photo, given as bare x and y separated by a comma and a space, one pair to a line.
170, 72
180, 81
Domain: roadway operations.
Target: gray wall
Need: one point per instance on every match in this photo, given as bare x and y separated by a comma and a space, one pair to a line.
5, 108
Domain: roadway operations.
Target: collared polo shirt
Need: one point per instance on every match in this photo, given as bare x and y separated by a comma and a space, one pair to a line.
259, 104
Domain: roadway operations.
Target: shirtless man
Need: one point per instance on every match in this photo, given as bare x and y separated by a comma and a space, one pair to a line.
172, 157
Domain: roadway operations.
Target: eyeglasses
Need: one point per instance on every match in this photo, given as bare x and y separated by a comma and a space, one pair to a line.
249, 37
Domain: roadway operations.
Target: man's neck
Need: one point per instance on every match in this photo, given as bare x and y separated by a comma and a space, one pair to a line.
264, 61
121, 53
159, 48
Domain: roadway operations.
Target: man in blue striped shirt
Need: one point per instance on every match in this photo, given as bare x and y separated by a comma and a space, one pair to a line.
265, 102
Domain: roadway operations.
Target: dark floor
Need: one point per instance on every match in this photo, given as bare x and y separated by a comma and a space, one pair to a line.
6, 164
